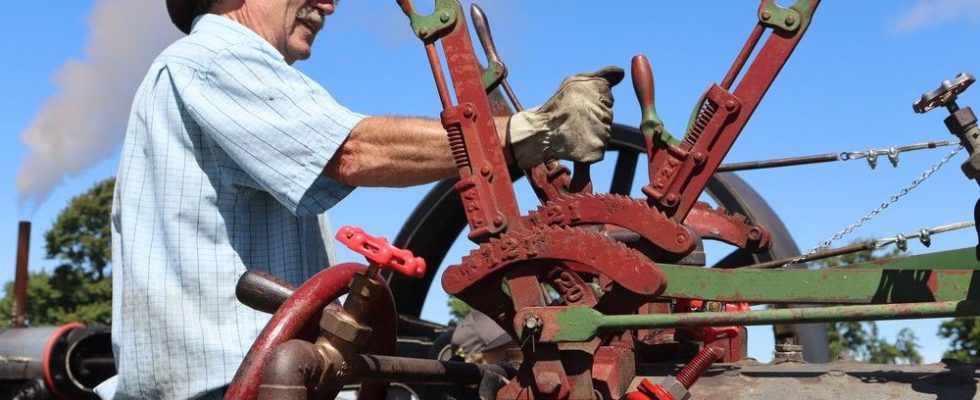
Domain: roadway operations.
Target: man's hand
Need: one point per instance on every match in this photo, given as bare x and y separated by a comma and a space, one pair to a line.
573, 125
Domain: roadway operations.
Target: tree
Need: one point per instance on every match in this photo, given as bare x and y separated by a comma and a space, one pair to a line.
862, 340
964, 335
457, 310
81, 234
78, 289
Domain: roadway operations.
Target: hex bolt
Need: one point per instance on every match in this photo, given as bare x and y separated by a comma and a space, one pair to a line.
468, 112
423, 32
766, 15
730, 105
790, 20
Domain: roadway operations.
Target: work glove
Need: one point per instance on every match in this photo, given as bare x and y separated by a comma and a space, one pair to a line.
573, 125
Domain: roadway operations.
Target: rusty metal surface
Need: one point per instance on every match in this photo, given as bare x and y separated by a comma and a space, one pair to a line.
837, 380
19, 306
625, 266
734, 229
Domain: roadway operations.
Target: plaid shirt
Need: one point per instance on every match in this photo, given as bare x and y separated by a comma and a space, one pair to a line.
220, 171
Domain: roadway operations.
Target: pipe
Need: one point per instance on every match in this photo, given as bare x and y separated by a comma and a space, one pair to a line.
302, 309
289, 369
401, 369
299, 310
18, 310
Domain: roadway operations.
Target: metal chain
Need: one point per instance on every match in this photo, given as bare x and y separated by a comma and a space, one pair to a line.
850, 228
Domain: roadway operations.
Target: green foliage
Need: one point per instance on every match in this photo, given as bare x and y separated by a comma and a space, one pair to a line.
66, 295
861, 340
81, 235
79, 289
457, 310
964, 335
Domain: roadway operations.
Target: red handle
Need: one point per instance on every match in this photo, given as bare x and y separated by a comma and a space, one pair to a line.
378, 252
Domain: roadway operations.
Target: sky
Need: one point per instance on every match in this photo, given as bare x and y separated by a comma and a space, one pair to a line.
849, 86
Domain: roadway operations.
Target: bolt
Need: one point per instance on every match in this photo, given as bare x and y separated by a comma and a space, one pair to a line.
698, 365
754, 234
698, 157
485, 170
532, 322
790, 20
498, 221
444, 17
423, 32
670, 200
730, 105
468, 112
713, 306
681, 238
766, 15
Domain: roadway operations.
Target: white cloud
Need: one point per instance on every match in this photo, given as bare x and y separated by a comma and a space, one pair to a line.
927, 13
85, 119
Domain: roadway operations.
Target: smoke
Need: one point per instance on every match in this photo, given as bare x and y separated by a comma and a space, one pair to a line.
927, 13
85, 119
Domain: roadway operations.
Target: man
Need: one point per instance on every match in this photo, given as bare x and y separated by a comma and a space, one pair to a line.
230, 157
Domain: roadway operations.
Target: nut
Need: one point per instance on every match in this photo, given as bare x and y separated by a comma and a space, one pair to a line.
675, 388
344, 327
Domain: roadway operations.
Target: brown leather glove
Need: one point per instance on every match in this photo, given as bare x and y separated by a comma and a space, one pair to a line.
573, 125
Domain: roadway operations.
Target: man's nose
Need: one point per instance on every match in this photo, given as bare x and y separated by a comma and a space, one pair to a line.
326, 7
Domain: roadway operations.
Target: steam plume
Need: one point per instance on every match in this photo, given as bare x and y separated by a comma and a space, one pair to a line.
85, 119
927, 13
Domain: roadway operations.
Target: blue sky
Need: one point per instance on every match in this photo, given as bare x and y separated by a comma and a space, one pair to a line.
848, 87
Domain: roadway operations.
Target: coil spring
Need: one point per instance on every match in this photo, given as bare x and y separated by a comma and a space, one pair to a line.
708, 109
457, 146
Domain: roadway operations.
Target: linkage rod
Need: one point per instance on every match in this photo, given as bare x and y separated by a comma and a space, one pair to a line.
796, 315
743, 56
580, 324
924, 235
871, 155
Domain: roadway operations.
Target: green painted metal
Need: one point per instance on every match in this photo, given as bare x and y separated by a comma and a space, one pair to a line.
430, 27
787, 19
493, 74
653, 127
910, 283
581, 324
953, 259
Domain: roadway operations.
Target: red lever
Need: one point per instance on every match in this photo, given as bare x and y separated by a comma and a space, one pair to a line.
378, 252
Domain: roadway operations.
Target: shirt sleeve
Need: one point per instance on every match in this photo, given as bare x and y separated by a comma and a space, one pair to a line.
278, 125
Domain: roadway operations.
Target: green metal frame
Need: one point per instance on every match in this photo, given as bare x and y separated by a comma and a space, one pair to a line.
945, 276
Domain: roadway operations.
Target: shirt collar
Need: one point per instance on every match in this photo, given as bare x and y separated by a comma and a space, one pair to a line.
230, 30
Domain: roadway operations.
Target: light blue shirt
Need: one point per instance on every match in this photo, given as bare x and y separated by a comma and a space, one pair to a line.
220, 171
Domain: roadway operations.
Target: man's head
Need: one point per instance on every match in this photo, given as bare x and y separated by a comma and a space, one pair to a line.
289, 25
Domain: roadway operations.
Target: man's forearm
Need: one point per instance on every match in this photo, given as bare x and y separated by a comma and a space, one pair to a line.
396, 152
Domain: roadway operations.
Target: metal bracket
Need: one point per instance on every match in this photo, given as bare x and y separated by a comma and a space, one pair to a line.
786, 19
431, 27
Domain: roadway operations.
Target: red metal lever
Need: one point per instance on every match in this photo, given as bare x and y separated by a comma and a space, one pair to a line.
378, 252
